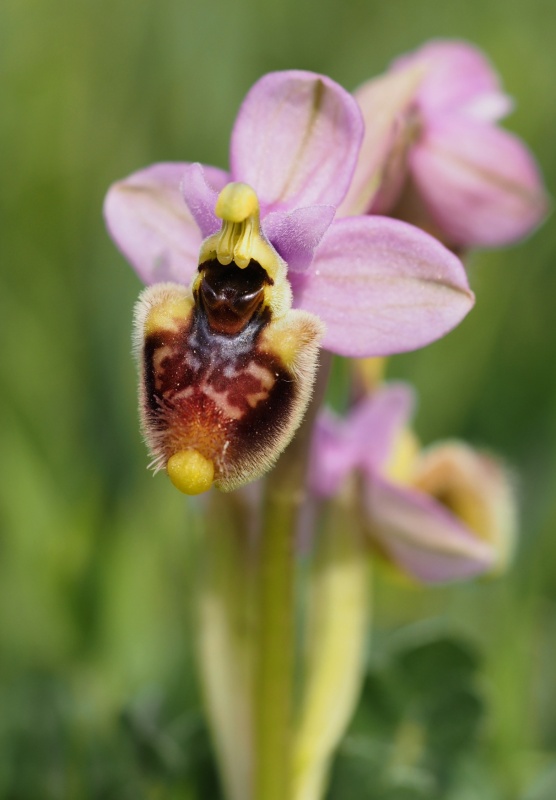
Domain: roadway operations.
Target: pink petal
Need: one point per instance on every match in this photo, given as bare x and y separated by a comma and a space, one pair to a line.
364, 438
421, 536
488, 107
296, 234
386, 106
200, 187
480, 184
333, 454
377, 421
151, 224
457, 76
382, 287
296, 139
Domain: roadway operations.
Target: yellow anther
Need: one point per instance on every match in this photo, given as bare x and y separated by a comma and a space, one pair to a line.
190, 471
238, 208
236, 202
240, 239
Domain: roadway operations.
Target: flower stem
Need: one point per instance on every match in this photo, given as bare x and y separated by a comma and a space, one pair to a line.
276, 654
276, 650
335, 637
224, 641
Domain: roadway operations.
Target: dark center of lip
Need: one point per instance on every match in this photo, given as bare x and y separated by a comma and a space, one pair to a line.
230, 296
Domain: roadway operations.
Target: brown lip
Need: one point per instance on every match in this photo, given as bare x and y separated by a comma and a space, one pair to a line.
231, 296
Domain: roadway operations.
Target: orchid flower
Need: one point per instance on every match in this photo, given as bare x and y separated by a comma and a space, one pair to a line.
444, 513
446, 164
249, 272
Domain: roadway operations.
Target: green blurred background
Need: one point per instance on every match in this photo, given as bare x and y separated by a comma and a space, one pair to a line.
97, 693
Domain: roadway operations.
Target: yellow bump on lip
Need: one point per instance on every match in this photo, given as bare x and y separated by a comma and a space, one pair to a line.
190, 471
168, 315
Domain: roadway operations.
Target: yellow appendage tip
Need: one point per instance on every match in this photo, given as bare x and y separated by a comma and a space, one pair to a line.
236, 202
190, 472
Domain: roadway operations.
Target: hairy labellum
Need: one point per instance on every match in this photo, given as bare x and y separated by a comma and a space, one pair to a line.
227, 366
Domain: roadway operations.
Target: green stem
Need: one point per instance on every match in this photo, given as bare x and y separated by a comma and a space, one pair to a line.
276, 650
224, 641
276, 654
335, 637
